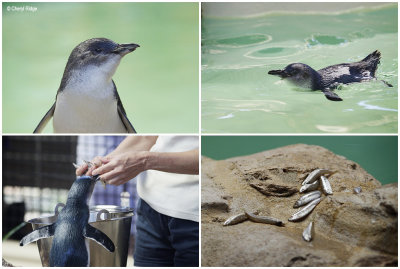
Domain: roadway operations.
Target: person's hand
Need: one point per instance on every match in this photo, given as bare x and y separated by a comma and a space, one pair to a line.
85, 169
118, 169
81, 170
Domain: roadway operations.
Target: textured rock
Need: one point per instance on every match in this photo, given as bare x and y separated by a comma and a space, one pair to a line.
349, 229
212, 198
274, 190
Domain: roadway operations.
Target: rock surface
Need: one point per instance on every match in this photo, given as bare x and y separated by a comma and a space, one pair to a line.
274, 190
349, 229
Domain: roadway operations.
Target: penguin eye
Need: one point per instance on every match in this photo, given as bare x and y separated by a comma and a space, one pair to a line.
97, 50
295, 71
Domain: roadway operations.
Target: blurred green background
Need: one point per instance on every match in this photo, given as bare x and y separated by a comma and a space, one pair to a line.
376, 154
158, 83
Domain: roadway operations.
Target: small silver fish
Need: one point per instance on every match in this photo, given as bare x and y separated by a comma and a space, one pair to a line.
309, 187
235, 219
305, 199
326, 186
90, 164
308, 232
103, 182
264, 219
357, 190
305, 210
314, 175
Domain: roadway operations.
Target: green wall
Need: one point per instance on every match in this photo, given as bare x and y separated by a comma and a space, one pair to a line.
376, 154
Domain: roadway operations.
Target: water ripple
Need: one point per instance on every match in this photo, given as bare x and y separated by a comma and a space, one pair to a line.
325, 40
230, 115
332, 129
241, 41
373, 107
270, 52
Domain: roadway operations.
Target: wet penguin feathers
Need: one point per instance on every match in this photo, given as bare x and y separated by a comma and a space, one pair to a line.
71, 228
329, 78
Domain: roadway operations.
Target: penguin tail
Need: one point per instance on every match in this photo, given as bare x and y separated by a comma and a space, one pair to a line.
371, 62
374, 56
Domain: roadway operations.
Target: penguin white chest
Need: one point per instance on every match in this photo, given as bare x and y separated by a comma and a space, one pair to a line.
87, 105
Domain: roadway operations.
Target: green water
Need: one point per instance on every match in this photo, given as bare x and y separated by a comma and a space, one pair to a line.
239, 97
376, 154
158, 83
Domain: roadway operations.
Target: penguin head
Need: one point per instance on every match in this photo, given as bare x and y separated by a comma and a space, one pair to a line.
101, 53
81, 190
299, 74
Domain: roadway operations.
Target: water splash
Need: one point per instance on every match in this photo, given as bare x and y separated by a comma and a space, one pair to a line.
373, 107
230, 115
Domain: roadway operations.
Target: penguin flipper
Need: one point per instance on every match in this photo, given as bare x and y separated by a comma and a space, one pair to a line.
42, 232
45, 119
98, 236
125, 121
330, 95
121, 112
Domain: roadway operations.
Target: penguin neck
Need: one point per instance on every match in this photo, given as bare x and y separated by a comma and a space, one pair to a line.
80, 192
73, 201
91, 81
316, 82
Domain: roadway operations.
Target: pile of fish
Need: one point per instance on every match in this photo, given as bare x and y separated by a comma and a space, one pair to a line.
312, 199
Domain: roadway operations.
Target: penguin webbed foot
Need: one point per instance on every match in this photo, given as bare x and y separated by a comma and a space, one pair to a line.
386, 83
331, 95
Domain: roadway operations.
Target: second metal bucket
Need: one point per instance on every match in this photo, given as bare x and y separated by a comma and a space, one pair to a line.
114, 221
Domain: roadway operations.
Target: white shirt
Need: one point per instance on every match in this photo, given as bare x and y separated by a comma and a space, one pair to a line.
174, 195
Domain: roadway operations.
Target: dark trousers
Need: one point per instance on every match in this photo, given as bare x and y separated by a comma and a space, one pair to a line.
165, 241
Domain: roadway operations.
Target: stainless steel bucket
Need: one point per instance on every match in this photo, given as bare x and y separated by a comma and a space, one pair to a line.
114, 221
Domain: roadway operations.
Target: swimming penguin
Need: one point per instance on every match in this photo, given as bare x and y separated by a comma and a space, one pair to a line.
332, 76
87, 100
71, 228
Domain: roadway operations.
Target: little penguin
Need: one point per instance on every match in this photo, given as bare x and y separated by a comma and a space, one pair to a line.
332, 76
71, 228
87, 100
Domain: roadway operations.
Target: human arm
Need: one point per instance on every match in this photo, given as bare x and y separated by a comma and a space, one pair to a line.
132, 157
120, 168
186, 162
130, 143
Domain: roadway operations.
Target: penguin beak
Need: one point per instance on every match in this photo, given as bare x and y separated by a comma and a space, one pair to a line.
281, 73
124, 49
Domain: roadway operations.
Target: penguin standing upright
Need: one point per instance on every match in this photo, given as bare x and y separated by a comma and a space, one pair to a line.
87, 100
71, 228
